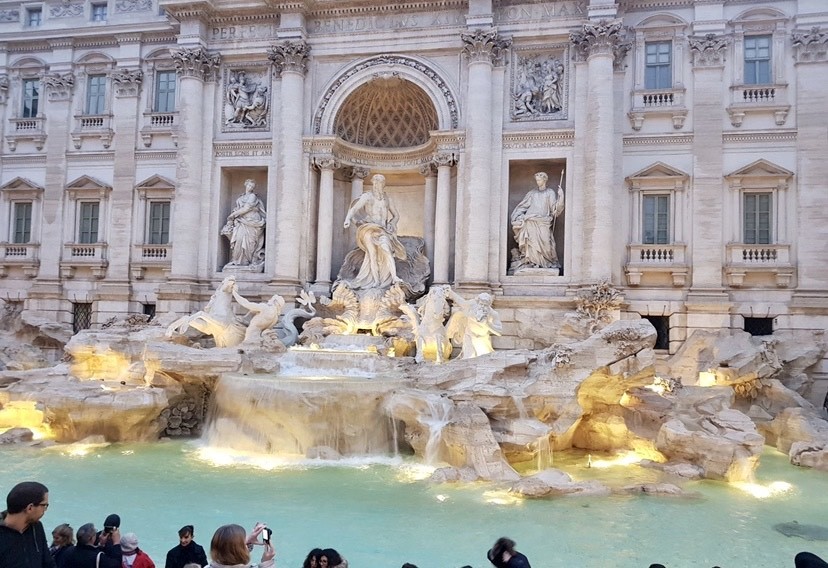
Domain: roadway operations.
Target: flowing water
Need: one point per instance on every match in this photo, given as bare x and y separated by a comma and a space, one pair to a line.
380, 515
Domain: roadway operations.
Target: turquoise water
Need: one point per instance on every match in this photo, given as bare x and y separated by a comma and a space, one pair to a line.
377, 516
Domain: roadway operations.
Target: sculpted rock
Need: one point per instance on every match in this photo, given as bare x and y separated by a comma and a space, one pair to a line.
792, 426
453, 474
554, 483
664, 489
16, 436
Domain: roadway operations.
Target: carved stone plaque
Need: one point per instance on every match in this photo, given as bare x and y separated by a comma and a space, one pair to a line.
540, 81
246, 99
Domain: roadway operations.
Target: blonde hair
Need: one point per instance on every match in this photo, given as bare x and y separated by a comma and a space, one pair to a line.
63, 535
229, 546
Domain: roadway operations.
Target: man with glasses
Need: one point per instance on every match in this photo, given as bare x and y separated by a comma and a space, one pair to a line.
22, 538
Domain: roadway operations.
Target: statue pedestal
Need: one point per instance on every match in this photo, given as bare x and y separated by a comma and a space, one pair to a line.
537, 272
360, 342
249, 268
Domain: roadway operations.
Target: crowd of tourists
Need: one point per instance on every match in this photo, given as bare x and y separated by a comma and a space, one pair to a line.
23, 544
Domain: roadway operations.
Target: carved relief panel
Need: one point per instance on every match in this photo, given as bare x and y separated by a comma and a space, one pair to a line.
540, 80
246, 93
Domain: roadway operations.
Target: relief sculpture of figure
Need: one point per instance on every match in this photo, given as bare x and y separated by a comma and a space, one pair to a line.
475, 323
245, 229
533, 223
265, 315
376, 219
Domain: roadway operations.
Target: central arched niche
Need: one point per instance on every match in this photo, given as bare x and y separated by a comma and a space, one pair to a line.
388, 112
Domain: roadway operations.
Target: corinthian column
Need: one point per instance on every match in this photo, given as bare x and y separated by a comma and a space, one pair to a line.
599, 43
442, 221
194, 66
290, 59
482, 48
324, 236
429, 210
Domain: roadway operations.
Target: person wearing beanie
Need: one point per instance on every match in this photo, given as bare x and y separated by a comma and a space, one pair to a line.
134, 557
111, 524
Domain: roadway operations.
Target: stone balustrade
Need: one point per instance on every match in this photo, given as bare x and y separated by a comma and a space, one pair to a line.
758, 99
768, 261
92, 256
657, 259
663, 102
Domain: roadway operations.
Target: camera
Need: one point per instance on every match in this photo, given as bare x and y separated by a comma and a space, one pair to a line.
109, 530
266, 534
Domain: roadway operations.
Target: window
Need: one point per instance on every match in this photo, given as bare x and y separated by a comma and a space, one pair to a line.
31, 97
658, 72
759, 326
95, 94
758, 60
757, 222
159, 223
88, 226
149, 310
656, 220
34, 17
81, 316
662, 327
164, 91
22, 222
98, 12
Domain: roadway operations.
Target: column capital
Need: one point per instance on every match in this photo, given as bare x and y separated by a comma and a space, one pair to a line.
601, 38
59, 86
708, 51
127, 82
196, 62
444, 159
485, 46
326, 162
290, 56
358, 172
428, 170
4, 87
810, 46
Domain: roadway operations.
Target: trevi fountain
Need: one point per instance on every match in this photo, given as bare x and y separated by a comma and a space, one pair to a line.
378, 419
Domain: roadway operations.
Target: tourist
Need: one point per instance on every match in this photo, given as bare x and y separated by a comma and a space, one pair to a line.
809, 560
87, 555
187, 551
231, 546
22, 537
134, 557
63, 542
504, 555
330, 558
111, 523
312, 559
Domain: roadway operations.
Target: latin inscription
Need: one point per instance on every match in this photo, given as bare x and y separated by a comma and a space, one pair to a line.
243, 32
531, 12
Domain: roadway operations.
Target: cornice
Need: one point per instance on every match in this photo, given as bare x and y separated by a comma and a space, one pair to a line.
79, 157
760, 137
671, 140
642, 5
23, 159
538, 139
156, 155
322, 8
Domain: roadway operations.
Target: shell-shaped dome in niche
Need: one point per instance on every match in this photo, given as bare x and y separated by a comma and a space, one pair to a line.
387, 112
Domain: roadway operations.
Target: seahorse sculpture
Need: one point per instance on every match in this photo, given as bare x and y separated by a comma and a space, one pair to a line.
286, 328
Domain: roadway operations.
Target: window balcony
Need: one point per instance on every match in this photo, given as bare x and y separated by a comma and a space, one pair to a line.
758, 99
762, 261
156, 123
662, 102
150, 257
23, 256
84, 255
33, 129
92, 126
654, 260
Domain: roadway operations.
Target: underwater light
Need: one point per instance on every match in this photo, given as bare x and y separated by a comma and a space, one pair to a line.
411, 473
707, 379
759, 491
502, 497
622, 459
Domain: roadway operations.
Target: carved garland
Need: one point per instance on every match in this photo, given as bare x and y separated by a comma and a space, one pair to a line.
388, 60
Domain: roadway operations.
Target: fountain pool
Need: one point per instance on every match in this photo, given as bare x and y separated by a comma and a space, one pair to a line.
379, 515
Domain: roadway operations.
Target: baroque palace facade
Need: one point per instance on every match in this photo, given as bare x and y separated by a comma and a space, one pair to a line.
689, 136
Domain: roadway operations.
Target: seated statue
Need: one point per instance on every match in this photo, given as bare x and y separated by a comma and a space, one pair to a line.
376, 219
473, 325
265, 315
216, 319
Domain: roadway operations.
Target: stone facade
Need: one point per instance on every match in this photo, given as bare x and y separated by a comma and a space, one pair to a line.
689, 140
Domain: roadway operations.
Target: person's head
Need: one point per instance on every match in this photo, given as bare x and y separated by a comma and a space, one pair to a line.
249, 185
86, 534
378, 182
276, 300
409, 565
541, 178
129, 543
312, 559
329, 558
185, 535
29, 497
111, 523
501, 546
63, 535
229, 545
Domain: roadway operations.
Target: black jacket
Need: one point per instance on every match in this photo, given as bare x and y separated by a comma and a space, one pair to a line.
86, 556
61, 554
24, 550
191, 554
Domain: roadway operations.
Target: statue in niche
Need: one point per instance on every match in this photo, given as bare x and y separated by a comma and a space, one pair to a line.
539, 87
473, 326
533, 223
265, 314
216, 319
247, 101
430, 335
245, 229
376, 219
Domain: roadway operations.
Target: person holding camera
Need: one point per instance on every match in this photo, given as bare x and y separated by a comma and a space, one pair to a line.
87, 555
231, 547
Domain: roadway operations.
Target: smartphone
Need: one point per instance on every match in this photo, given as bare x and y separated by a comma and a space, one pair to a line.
266, 534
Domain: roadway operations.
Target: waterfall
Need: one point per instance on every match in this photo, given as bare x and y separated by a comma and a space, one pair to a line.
543, 453
425, 416
439, 412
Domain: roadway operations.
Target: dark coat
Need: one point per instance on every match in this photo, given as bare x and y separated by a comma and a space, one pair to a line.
191, 554
28, 549
85, 556
61, 554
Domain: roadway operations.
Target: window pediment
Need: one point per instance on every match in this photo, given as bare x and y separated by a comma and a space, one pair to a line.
21, 188
156, 186
760, 174
661, 21
658, 176
87, 186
